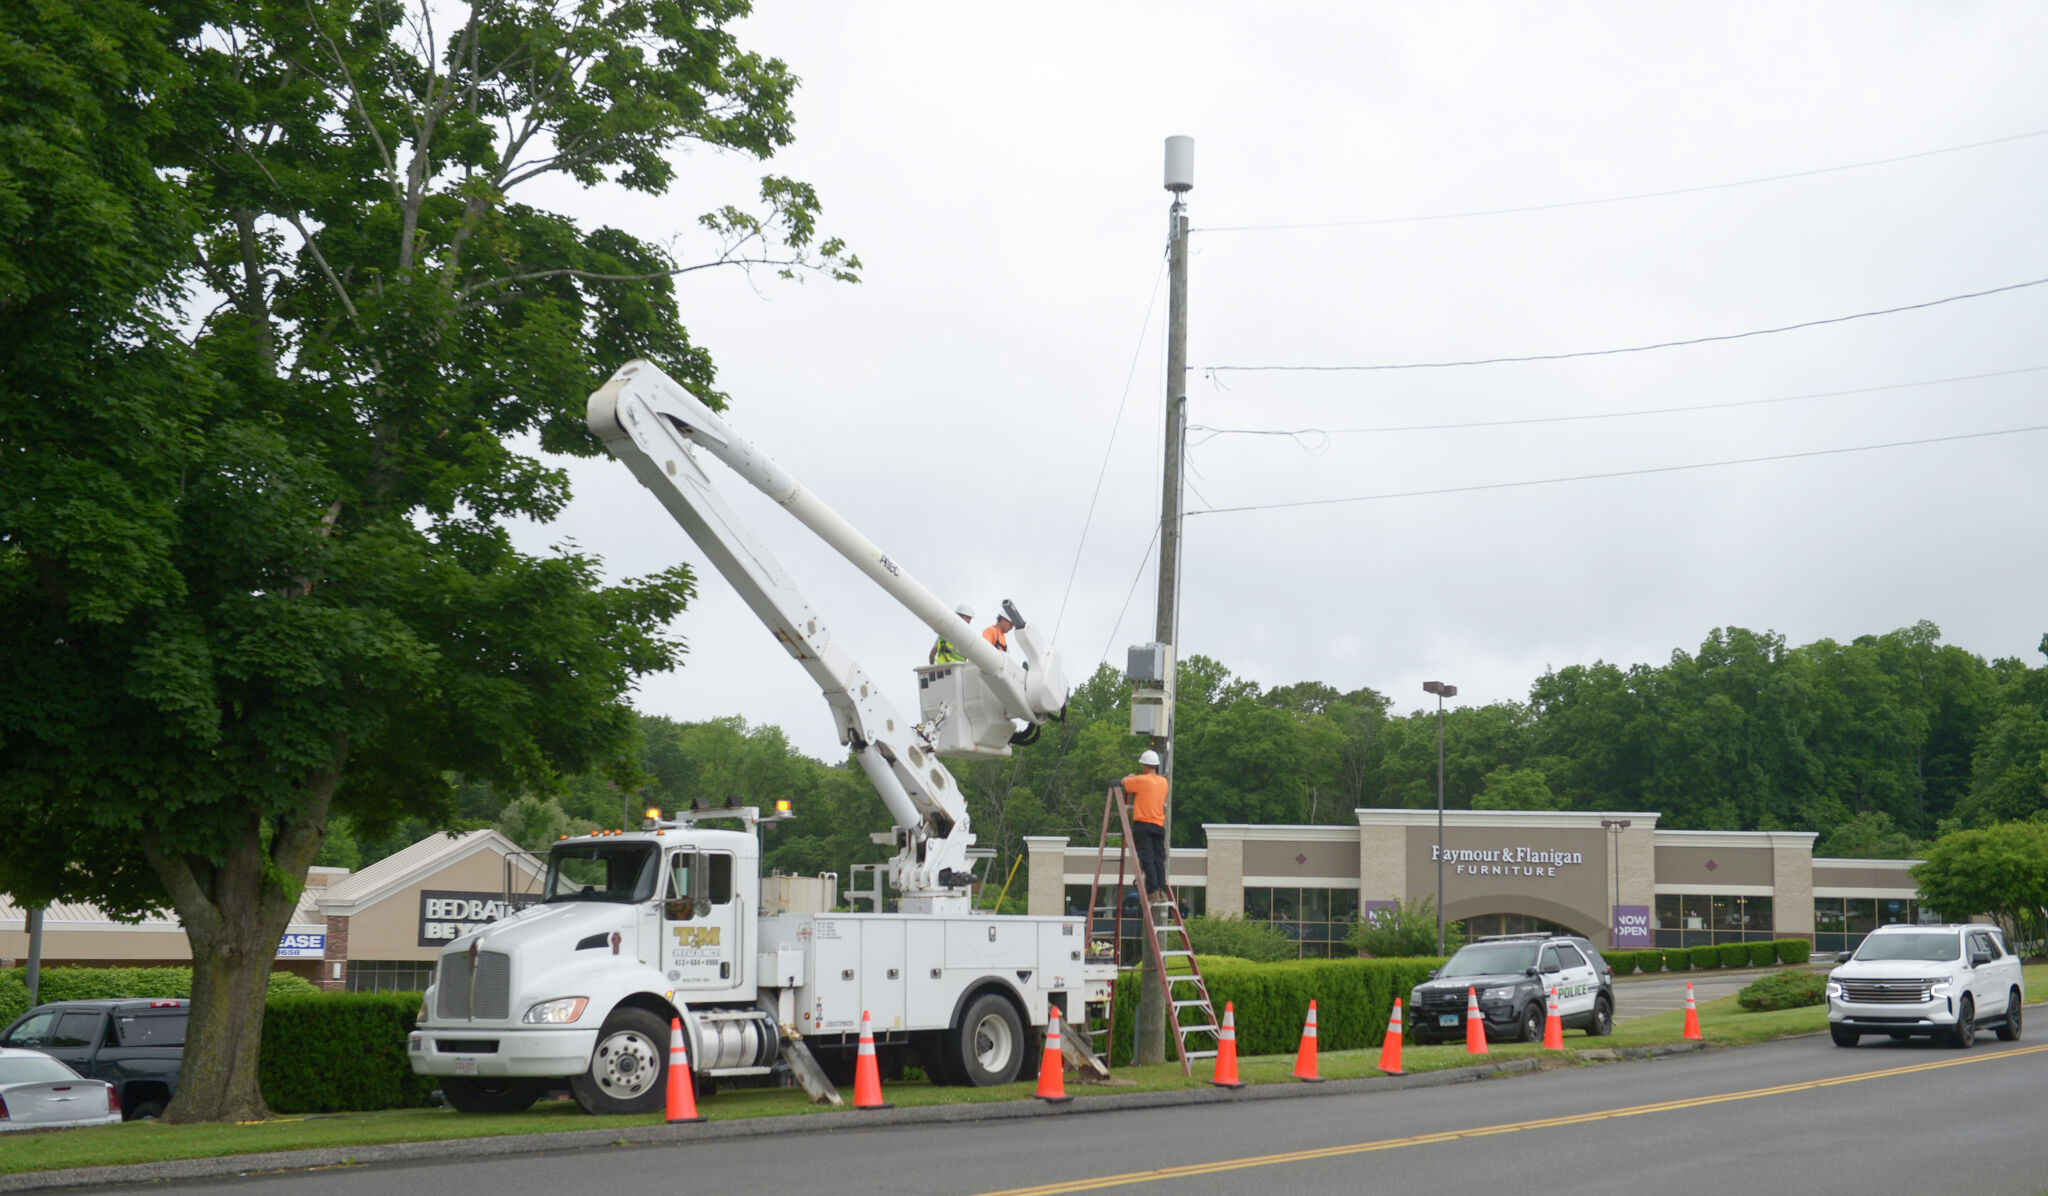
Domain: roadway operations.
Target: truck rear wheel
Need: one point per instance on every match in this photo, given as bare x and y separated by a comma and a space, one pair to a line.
467, 1094
987, 1047
628, 1066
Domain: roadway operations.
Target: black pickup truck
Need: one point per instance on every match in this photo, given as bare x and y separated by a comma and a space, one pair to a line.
136, 1045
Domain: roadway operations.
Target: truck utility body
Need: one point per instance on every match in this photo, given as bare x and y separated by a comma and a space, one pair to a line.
636, 927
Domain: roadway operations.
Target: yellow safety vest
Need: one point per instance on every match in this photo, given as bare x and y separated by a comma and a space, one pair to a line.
945, 653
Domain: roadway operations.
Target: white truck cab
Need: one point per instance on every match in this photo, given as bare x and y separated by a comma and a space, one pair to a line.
1941, 982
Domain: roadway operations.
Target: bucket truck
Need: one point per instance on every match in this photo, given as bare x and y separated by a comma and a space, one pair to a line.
638, 926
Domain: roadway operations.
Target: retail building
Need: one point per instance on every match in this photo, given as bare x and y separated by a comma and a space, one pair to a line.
1616, 877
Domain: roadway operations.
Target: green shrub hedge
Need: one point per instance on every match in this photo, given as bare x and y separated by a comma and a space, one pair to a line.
1734, 955
1677, 959
1793, 950
83, 984
1705, 957
322, 1052
1353, 1000
340, 1052
1762, 955
1623, 962
1240, 938
1784, 990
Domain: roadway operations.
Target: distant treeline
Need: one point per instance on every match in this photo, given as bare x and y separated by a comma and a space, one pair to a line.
1879, 745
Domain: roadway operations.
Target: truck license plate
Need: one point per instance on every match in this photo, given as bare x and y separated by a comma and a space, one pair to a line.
1446, 1019
465, 1067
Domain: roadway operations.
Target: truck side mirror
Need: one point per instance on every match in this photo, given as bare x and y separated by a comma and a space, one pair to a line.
1843, 956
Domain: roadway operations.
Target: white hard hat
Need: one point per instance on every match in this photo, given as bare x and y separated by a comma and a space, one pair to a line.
1149, 757
964, 610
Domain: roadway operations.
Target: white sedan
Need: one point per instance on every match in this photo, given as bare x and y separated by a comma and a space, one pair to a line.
40, 1093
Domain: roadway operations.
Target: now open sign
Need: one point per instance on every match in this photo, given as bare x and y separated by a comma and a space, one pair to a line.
1632, 926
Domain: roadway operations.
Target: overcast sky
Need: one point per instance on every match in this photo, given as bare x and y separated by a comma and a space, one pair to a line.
998, 170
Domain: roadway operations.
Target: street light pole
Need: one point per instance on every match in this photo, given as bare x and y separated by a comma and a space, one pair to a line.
1615, 825
1441, 691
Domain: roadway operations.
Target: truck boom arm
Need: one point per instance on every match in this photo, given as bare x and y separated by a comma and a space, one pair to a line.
653, 425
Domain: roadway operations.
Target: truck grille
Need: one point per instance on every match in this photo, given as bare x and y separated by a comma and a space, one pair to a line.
1885, 992
486, 995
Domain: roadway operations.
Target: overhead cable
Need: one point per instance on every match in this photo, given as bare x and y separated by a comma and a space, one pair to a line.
1613, 199
1696, 340
1619, 473
1561, 419
1109, 449
1143, 559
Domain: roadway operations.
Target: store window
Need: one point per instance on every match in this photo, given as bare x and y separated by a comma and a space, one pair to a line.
1315, 920
1705, 919
1839, 923
390, 975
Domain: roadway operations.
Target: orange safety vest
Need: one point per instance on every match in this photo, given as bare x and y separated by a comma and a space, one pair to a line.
994, 635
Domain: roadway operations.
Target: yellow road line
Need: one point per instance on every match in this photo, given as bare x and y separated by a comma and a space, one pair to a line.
1332, 1152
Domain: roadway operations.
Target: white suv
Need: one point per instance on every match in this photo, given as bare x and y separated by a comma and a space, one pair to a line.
1941, 982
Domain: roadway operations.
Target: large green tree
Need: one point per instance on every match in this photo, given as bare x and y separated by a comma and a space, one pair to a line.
1999, 870
262, 577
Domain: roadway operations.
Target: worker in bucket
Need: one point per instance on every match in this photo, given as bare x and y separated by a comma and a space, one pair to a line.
998, 632
945, 653
1148, 792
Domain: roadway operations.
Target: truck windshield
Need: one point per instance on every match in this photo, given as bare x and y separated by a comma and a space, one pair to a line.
601, 872
1932, 948
1491, 959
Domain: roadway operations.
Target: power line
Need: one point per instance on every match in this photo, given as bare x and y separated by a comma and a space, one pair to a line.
1109, 449
1613, 199
1619, 473
1144, 559
1697, 340
1560, 419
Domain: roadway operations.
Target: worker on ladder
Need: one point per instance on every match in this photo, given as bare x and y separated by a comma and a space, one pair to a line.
1148, 792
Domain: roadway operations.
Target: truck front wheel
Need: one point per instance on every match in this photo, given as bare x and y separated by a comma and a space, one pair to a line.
466, 1094
628, 1066
987, 1047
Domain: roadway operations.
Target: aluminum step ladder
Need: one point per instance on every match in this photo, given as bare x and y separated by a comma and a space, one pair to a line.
1189, 1010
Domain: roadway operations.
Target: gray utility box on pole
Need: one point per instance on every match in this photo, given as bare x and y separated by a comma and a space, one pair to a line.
1150, 669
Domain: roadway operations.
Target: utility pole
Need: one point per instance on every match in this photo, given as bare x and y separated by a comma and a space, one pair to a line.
1180, 179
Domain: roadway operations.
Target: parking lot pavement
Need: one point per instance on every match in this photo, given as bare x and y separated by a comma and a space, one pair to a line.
1643, 996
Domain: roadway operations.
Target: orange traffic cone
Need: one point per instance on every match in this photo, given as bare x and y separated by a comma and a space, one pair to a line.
1390, 1050
1553, 1025
682, 1089
1052, 1084
1475, 1024
867, 1074
1305, 1058
1692, 1014
1226, 1050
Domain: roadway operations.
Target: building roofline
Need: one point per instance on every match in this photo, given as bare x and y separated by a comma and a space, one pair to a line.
414, 864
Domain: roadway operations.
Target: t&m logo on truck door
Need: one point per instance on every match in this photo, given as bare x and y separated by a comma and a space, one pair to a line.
695, 951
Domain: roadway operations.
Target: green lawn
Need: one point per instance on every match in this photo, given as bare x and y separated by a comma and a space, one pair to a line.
1722, 1022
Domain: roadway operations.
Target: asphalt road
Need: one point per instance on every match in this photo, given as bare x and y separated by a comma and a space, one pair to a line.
1798, 1114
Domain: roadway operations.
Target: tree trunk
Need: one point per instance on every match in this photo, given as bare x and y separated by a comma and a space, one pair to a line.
224, 1040
235, 910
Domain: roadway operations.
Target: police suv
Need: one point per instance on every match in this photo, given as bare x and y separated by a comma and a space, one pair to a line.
1513, 976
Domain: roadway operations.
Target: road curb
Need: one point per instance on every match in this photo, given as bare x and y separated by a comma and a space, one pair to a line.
1092, 1101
